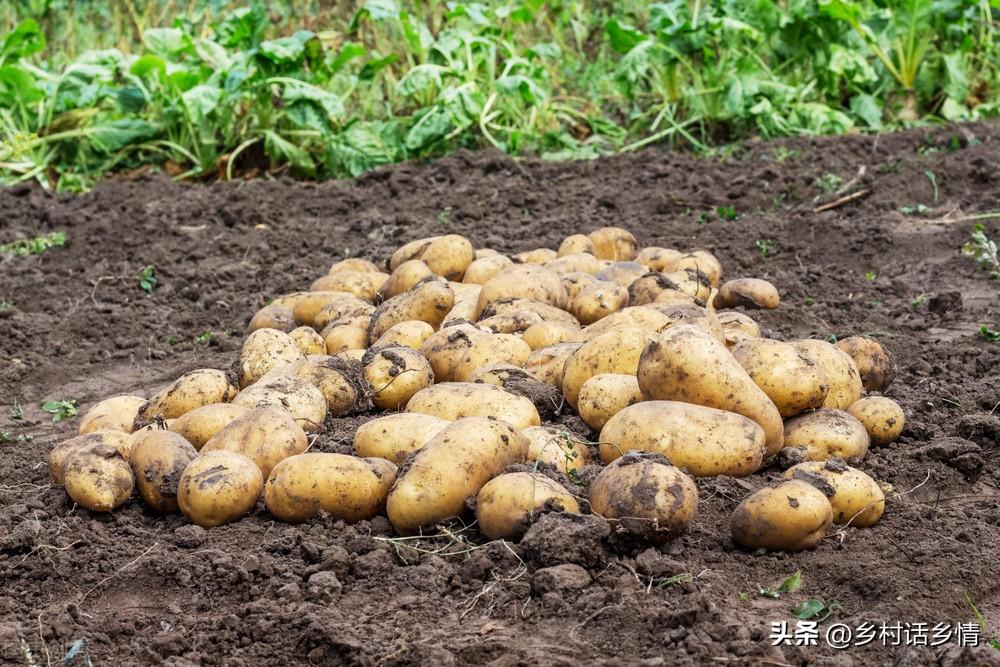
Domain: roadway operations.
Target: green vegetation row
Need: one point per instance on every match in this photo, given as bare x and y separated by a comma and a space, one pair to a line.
208, 90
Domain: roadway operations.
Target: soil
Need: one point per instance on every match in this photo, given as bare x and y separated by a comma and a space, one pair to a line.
144, 589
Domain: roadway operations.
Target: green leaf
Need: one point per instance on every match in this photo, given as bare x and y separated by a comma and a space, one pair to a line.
201, 101
212, 54
284, 50
348, 52
381, 10
526, 87
373, 66
545, 51
814, 608
842, 10
24, 40
622, 36
791, 583
143, 65
281, 150
362, 146
18, 86
868, 108
242, 28
114, 135
420, 79
299, 91
131, 99
166, 41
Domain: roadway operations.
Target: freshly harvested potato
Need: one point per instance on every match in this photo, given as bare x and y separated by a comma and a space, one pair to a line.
882, 418
576, 282
877, 368
97, 477
264, 435
455, 400
575, 243
686, 363
556, 447
838, 367
687, 313
117, 413
738, 327
659, 259
191, 390
341, 336
508, 504
264, 351
412, 250
466, 304
411, 333
622, 273
548, 363
581, 262
449, 256
308, 305
826, 433
344, 310
536, 256
199, 425
498, 348
703, 262
394, 437
543, 334
446, 348
605, 395
429, 302
518, 307
525, 281
454, 465
616, 351
219, 487
691, 282
546, 398
345, 487
704, 441
857, 499
510, 323
289, 300
647, 287
303, 401
61, 452
339, 380
642, 317
598, 301
789, 517
405, 277
272, 316
158, 459
395, 374
308, 340
481, 270
362, 284
354, 264
748, 293
644, 498
792, 382
613, 243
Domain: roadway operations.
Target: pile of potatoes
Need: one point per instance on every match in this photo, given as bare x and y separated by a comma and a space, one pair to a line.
467, 352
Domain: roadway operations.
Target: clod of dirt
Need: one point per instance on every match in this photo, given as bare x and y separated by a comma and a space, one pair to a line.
190, 536
654, 564
963, 455
982, 429
945, 302
559, 538
558, 578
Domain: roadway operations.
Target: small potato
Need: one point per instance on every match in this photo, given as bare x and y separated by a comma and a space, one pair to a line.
510, 323
429, 302
264, 435
605, 395
395, 374
446, 347
309, 304
543, 334
405, 277
598, 301
647, 287
303, 401
616, 351
411, 333
345, 487
525, 281
519, 307
737, 327
412, 250
339, 380
792, 382
622, 273
394, 437
61, 452
556, 447
199, 425
508, 504
307, 340
703, 262
659, 259
747, 293
877, 368
97, 477
346, 309
498, 348
548, 363
219, 487
856, 498
613, 243
449, 256
644, 498
581, 262
575, 243
481, 270
264, 351
272, 316
882, 418
826, 433
576, 282
191, 390
343, 336
362, 284
536, 256
455, 400
117, 413
789, 517
838, 367
453, 466
158, 460
354, 264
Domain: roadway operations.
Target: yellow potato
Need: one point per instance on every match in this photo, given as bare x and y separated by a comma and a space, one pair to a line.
876, 367
622, 273
199, 425
395, 374
882, 418
613, 243
219, 487
307, 340
411, 333
272, 316
659, 259
158, 459
455, 400
484, 252
792, 382
737, 327
687, 313
344, 336
117, 413
405, 277
309, 304
524, 281
264, 351
791, 516
691, 282
747, 293
597, 301
581, 262
289, 300
481, 270
856, 498
605, 395
354, 264
498, 348
642, 317
556, 447
508, 504
616, 351
97, 477
519, 307
264, 435
841, 372
446, 347
647, 287
510, 323
57, 457
449, 256
339, 381
362, 284
826, 433
429, 302
394, 437
191, 390
346, 309
575, 282
703, 262
575, 243
548, 363
543, 334
412, 250
536, 256
466, 303
303, 401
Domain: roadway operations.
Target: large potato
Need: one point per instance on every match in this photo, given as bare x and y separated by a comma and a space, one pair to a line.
345, 487
701, 261
449, 256
548, 363
882, 418
597, 301
495, 349
688, 364
856, 498
405, 277
510, 323
524, 281
838, 368
455, 400
273, 316
309, 304
340, 381
191, 390
622, 273
737, 327
452, 467
519, 306
97, 477
748, 293
543, 334
158, 459
546, 398
412, 333
616, 351
395, 374
264, 435
691, 282
576, 282
556, 447
466, 304
394, 437
481, 270
508, 504
412, 250
219, 487
308, 341
659, 259
791, 516
362, 284
429, 302
354, 264
641, 317
348, 308
61, 452
613, 243
117, 413
575, 243
303, 401
644, 498
689, 313
264, 351
647, 287
199, 425
605, 395
826, 433
792, 382
581, 262
876, 367
446, 347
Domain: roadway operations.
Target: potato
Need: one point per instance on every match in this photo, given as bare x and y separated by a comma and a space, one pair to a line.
703, 262
576, 282
272, 316
445, 348
117, 413
644, 498
792, 382
691, 282
394, 437
616, 351
613, 243
647, 287
264, 351
158, 458
510, 323
622, 273
465, 306
340, 381
882, 418
789, 517
518, 307
191, 390
747, 293
412, 250
308, 306
348, 309
642, 317
536, 256
481, 270
856, 498
484, 252
543, 334
525, 281
354, 264
575, 243
303, 401
598, 301
362, 284
219, 487
454, 400
345, 487
405, 277
687, 313
61, 452
685, 363
840, 371
581, 262
429, 302
738, 327
308, 341
289, 300
826, 433
264, 435
605, 395
508, 504
704, 441
395, 374
449, 256
556, 447
341, 336
411, 333
453, 466
659, 259
548, 363
498, 348
547, 399
199, 425
97, 477
876, 367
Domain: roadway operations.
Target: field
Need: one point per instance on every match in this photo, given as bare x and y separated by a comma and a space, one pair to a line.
138, 588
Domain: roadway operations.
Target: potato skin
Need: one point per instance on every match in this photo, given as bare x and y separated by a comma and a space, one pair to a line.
701, 261
219, 487
191, 390
455, 400
613, 243
547, 363
394, 437
429, 302
556, 447
449, 256
856, 498
605, 395
340, 381
645, 498
264, 435
411, 250
307, 340
362, 284
446, 347
841, 372
543, 334
199, 425
508, 504
789, 517
264, 351
395, 374
704, 441
882, 417
575, 243
876, 366
97, 477
303, 401
354, 264
826, 433
525, 281
61, 452
536, 256
659, 259
597, 301
622, 274
752, 293
498, 348
411, 333
405, 277
272, 316
617, 351
792, 382
345, 487
158, 459
453, 466
484, 268
737, 327
117, 413
580, 262
308, 305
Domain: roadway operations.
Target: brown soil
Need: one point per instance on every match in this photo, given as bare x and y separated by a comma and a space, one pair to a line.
143, 589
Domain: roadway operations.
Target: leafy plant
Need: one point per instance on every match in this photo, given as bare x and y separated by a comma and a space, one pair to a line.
766, 247
204, 337
871, 276
34, 246
147, 279
989, 334
60, 410
983, 250
790, 584
828, 182
815, 609
17, 410
727, 213
917, 209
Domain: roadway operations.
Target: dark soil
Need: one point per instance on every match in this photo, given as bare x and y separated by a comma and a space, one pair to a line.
142, 589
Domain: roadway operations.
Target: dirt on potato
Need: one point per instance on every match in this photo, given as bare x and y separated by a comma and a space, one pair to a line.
143, 589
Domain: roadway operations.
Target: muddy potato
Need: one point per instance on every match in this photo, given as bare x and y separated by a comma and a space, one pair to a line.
647, 287
289, 300
613, 243
411, 250
882, 418
158, 459
622, 273
747, 293
644, 498
481, 270
548, 363
348, 309
792, 382
97, 477
309, 304
394, 437
737, 327
546, 398
688, 364
405, 277
395, 374
199, 425
455, 400
339, 381
536, 256
576, 282
557, 447
581, 262
453, 466
857, 499
308, 340
117, 413
498, 348
346, 487
272, 316
191, 390
411, 333
519, 306
659, 259
362, 284
543, 334
429, 302
264, 435
789, 517
597, 301
876, 367
510, 323
826, 433
508, 504
354, 264
575, 243
642, 317
465, 306
263, 351
219, 487
446, 348
303, 401
525, 281
616, 351
838, 367
701, 261
344, 336
57, 457
687, 313
605, 395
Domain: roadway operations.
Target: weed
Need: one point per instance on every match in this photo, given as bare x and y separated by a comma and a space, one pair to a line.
6, 306
983, 250
989, 334
871, 276
60, 410
932, 177
809, 301
20, 438
981, 620
919, 300
828, 182
17, 410
727, 213
204, 337
171, 340
781, 153
34, 246
815, 609
444, 217
147, 279
916, 209
790, 584
766, 247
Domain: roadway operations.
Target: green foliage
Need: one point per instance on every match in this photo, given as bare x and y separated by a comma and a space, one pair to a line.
60, 410
983, 250
147, 279
766, 247
814, 609
34, 246
989, 334
17, 410
790, 584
